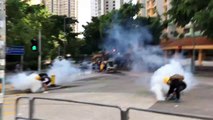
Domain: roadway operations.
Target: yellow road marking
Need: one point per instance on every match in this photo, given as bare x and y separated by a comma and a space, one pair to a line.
9, 113
8, 102
8, 106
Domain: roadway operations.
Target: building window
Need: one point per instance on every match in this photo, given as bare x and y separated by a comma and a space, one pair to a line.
113, 1
113, 4
113, 8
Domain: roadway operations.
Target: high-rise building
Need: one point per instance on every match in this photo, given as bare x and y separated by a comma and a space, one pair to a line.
109, 5
96, 8
101, 7
158, 7
63, 7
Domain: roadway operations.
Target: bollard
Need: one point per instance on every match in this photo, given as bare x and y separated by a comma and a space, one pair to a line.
52, 80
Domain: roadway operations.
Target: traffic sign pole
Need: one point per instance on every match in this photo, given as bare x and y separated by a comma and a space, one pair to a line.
22, 62
40, 53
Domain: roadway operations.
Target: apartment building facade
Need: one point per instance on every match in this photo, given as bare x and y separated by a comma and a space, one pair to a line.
101, 7
96, 8
158, 7
63, 7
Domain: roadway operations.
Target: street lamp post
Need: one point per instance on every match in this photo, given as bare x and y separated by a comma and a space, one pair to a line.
65, 33
40, 52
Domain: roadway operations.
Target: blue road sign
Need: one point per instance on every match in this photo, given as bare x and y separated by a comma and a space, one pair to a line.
15, 50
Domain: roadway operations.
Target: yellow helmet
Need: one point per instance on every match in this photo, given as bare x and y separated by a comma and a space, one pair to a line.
166, 80
38, 77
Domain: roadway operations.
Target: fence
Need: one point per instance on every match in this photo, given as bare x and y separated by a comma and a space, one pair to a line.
124, 114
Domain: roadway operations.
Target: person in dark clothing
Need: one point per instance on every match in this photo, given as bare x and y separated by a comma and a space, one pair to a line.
176, 85
45, 79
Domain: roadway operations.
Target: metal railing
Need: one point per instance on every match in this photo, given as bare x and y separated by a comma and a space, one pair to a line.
17, 108
170, 113
32, 106
124, 114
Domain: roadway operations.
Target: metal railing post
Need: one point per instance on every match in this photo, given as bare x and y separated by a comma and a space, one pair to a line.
31, 108
124, 115
17, 107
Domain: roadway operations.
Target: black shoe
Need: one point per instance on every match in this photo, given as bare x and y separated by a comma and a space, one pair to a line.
171, 97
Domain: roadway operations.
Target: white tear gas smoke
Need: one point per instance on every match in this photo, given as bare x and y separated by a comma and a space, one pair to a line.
131, 47
22, 81
64, 71
174, 67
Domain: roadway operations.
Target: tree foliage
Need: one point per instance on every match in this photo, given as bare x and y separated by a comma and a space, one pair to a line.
24, 22
92, 36
197, 11
96, 31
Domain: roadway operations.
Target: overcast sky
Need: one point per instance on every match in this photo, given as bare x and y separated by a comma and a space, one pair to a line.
84, 13
35, 1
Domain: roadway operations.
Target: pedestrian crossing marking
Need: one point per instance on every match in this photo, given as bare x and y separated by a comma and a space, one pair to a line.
8, 113
9, 104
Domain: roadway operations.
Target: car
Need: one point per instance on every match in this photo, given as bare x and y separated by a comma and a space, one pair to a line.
85, 65
111, 66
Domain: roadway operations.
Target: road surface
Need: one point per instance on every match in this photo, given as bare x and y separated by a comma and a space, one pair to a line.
122, 89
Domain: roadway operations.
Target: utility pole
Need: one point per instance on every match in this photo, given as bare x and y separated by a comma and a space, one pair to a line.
39, 51
64, 52
3, 51
193, 50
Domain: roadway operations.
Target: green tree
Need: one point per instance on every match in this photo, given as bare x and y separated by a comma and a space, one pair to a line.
95, 31
200, 13
24, 22
92, 36
62, 34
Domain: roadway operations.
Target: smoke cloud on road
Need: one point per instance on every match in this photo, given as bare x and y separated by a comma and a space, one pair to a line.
64, 71
174, 67
24, 81
133, 45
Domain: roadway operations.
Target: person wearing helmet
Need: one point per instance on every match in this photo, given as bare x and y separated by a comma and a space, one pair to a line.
176, 85
43, 77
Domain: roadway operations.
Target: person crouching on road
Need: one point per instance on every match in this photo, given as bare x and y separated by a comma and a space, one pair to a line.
46, 81
176, 85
